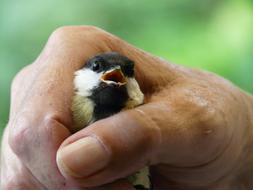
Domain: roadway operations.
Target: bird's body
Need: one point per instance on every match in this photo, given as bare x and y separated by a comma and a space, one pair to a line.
105, 86
97, 98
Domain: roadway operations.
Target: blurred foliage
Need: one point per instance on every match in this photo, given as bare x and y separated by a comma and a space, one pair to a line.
216, 35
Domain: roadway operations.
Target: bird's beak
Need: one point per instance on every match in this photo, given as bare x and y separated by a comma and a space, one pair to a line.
114, 76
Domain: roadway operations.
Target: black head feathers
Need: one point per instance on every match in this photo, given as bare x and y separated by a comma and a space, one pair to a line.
107, 61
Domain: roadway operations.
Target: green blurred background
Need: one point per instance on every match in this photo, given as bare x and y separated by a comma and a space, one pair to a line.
216, 35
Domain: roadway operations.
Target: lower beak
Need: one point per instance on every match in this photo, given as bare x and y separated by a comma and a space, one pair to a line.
114, 76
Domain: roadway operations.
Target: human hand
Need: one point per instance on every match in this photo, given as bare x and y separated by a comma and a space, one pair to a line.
187, 130
40, 116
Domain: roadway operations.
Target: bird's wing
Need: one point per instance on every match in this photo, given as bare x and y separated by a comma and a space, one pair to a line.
82, 108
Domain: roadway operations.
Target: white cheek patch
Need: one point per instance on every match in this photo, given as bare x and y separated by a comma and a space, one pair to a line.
85, 80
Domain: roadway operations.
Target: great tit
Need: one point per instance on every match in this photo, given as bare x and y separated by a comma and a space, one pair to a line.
105, 86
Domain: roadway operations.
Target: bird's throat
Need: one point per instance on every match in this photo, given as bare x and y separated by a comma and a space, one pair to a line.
108, 100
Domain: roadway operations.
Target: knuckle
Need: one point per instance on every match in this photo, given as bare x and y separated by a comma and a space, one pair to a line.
16, 81
196, 106
61, 31
204, 117
207, 122
204, 127
19, 137
15, 183
51, 119
200, 114
51, 123
65, 33
23, 139
64, 29
207, 126
73, 40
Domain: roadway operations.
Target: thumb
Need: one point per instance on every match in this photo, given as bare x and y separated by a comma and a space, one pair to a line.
110, 149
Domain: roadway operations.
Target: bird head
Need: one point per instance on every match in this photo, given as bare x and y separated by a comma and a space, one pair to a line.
107, 70
107, 82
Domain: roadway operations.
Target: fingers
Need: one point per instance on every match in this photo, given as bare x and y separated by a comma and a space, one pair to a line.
43, 116
20, 86
35, 147
78, 44
110, 149
164, 131
14, 175
48, 85
41, 98
151, 72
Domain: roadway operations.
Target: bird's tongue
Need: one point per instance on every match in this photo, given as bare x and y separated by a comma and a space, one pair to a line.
114, 77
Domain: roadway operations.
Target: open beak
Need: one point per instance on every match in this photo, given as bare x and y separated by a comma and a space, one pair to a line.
114, 76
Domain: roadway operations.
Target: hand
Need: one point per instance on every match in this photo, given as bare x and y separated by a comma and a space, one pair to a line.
40, 116
194, 130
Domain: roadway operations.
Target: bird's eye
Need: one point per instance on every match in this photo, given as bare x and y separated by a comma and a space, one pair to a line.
95, 66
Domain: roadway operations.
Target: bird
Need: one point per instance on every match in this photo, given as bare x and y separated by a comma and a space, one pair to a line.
105, 86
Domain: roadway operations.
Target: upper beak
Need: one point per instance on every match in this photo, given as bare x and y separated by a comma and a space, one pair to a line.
114, 76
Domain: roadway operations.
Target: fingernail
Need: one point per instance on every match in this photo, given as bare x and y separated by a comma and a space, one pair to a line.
83, 157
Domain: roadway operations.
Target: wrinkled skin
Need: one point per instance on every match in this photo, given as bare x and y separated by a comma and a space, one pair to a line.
195, 128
